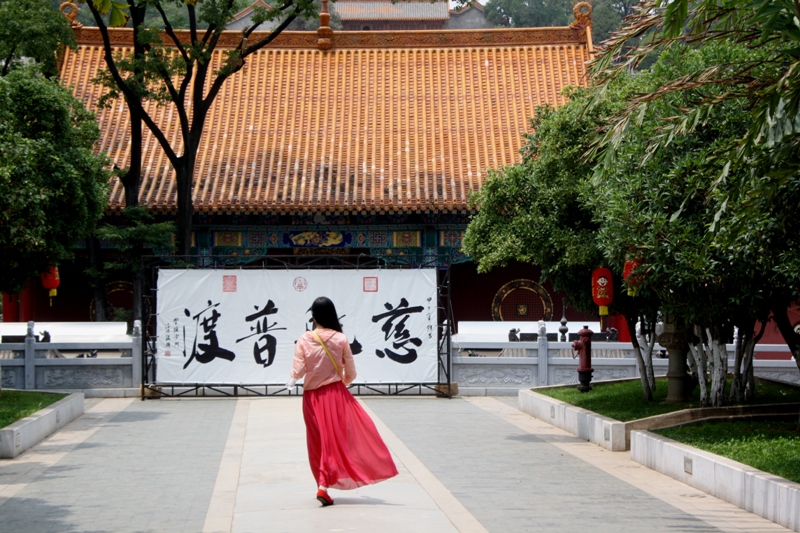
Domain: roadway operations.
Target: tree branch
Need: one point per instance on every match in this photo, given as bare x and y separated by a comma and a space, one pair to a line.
192, 23
271, 37
7, 63
131, 97
171, 32
286, 5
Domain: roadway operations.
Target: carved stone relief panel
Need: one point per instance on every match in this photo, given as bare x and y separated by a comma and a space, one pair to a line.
494, 375
83, 377
9, 378
603, 374
564, 376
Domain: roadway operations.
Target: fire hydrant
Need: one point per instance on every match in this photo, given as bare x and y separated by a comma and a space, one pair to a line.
583, 350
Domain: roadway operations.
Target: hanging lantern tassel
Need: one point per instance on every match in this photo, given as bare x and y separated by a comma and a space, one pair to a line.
602, 291
51, 281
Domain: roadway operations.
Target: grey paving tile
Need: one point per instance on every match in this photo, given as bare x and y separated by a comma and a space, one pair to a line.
513, 481
154, 468
103, 483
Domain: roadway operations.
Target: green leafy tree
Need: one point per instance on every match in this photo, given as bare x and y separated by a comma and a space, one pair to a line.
756, 211
607, 15
166, 69
528, 14
53, 186
664, 205
32, 30
534, 212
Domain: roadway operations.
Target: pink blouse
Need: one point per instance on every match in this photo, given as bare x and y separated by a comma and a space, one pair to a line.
311, 361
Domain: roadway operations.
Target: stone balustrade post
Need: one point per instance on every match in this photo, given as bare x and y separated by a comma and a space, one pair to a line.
30, 358
542, 366
136, 353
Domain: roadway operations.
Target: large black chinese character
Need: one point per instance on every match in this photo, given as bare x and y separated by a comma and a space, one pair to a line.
261, 328
398, 332
205, 353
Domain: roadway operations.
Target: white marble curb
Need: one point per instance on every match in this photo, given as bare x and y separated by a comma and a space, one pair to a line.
598, 429
760, 493
486, 391
33, 429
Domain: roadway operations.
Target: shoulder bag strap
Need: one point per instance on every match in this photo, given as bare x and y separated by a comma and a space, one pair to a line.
327, 351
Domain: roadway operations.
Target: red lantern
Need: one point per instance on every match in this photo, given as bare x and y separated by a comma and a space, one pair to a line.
51, 280
602, 289
632, 278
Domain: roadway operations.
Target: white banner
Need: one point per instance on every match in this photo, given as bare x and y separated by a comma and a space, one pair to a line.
240, 326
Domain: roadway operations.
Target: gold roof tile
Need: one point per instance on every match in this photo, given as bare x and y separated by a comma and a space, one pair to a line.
383, 122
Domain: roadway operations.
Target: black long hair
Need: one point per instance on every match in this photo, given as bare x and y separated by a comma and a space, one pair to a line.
324, 312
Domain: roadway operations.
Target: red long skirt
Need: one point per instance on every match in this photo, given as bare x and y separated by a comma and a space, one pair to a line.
345, 450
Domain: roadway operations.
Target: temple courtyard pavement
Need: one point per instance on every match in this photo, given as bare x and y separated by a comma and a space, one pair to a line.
225, 464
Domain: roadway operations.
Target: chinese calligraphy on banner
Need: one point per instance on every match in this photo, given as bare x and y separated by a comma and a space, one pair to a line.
240, 327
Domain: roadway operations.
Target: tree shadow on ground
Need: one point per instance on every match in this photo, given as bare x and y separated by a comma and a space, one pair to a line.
33, 515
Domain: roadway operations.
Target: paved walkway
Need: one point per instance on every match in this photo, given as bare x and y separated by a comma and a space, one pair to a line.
466, 464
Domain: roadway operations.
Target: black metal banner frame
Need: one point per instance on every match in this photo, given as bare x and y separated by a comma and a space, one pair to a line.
152, 264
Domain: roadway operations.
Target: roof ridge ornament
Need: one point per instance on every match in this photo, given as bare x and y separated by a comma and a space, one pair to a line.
70, 10
325, 32
583, 15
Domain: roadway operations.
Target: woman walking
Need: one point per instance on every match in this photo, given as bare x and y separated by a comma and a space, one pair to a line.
345, 450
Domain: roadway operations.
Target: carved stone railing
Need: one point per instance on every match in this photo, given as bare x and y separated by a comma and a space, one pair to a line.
484, 367
40, 365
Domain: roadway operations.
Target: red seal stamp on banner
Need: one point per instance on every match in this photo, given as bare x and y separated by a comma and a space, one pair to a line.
370, 284
228, 283
300, 284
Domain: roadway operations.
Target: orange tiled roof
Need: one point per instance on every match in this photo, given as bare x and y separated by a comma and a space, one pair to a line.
383, 122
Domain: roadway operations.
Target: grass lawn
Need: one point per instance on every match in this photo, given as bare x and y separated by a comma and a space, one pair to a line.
15, 405
771, 446
624, 401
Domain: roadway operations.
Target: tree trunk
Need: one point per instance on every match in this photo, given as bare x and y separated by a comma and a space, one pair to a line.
737, 386
97, 280
743, 387
184, 173
133, 176
651, 343
699, 363
697, 354
749, 382
637, 350
719, 369
138, 297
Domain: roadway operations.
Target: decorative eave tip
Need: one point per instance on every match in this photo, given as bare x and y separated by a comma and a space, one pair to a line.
325, 32
583, 16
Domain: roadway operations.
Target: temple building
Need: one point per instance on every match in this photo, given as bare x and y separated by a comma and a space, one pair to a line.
469, 17
372, 147
385, 15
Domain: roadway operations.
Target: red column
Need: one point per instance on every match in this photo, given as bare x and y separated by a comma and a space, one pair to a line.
19, 307
10, 307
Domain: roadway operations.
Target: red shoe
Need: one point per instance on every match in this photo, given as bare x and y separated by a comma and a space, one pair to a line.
323, 498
